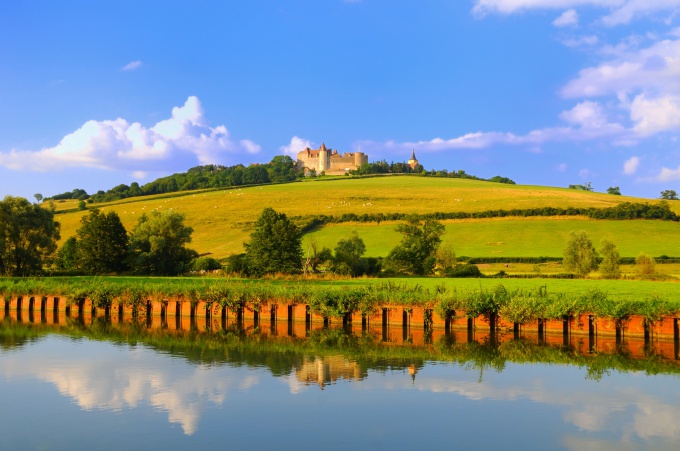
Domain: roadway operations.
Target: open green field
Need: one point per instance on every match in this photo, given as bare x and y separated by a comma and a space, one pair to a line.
222, 220
518, 237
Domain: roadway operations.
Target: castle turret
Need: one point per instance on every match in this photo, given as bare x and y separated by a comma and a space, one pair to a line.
324, 163
360, 158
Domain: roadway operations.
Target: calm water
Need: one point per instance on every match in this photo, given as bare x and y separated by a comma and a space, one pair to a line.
119, 386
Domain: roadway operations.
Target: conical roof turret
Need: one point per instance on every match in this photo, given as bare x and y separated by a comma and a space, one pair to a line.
323, 146
413, 154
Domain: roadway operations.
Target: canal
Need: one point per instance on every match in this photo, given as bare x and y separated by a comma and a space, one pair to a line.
99, 384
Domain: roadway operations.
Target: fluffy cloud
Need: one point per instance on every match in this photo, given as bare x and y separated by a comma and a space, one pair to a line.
668, 175
587, 121
650, 76
566, 19
620, 11
630, 166
586, 114
655, 115
655, 68
178, 142
296, 144
120, 379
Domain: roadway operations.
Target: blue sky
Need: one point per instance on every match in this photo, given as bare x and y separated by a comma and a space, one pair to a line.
546, 92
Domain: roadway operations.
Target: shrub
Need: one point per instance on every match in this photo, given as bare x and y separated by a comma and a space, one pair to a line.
609, 268
464, 270
237, 264
205, 264
645, 265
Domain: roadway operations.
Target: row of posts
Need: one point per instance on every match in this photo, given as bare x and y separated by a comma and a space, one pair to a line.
394, 316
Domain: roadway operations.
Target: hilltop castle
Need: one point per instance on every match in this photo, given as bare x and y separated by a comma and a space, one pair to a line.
329, 160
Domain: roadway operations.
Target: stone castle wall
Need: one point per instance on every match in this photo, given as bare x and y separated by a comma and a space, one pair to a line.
329, 161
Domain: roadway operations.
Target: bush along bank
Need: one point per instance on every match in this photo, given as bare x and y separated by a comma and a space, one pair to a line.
625, 211
379, 302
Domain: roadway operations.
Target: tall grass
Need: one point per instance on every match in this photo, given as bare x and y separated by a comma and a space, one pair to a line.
513, 304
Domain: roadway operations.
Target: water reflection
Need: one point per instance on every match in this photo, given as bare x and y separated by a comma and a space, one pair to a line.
607, 391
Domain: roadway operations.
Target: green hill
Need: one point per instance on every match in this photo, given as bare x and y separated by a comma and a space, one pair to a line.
222, 219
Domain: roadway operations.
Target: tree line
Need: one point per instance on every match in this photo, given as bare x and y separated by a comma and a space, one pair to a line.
623, 211
275, 246
383, 167
279, 169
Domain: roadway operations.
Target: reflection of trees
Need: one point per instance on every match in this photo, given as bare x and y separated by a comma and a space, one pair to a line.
16, 336
283, 355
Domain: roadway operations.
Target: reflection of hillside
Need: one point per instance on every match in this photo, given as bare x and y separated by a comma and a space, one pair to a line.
283, 354
215, 368
327, 370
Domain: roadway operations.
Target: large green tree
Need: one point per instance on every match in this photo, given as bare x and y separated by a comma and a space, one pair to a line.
67, 255
28, 236
580, 255
415, 254
275, 246
282, 169
348, 253
157, 244
102, 243
669, 194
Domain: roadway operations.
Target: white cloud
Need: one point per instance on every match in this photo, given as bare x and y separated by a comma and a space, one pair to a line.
586, 114
668, 175
630, 166
118, 379
567, 19
296, 144
250, 146
178, 142
655, 115
562, 167
649, 76
132, 65
620, 11
585, 173
587, 121
655, 68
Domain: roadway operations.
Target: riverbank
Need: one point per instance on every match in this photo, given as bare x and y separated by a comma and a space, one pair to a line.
629, 309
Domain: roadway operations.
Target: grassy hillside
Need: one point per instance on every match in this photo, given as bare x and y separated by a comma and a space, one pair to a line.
520, 237
222, 220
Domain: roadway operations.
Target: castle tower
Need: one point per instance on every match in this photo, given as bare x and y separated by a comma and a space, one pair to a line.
359, 159
413, 161
324, 163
